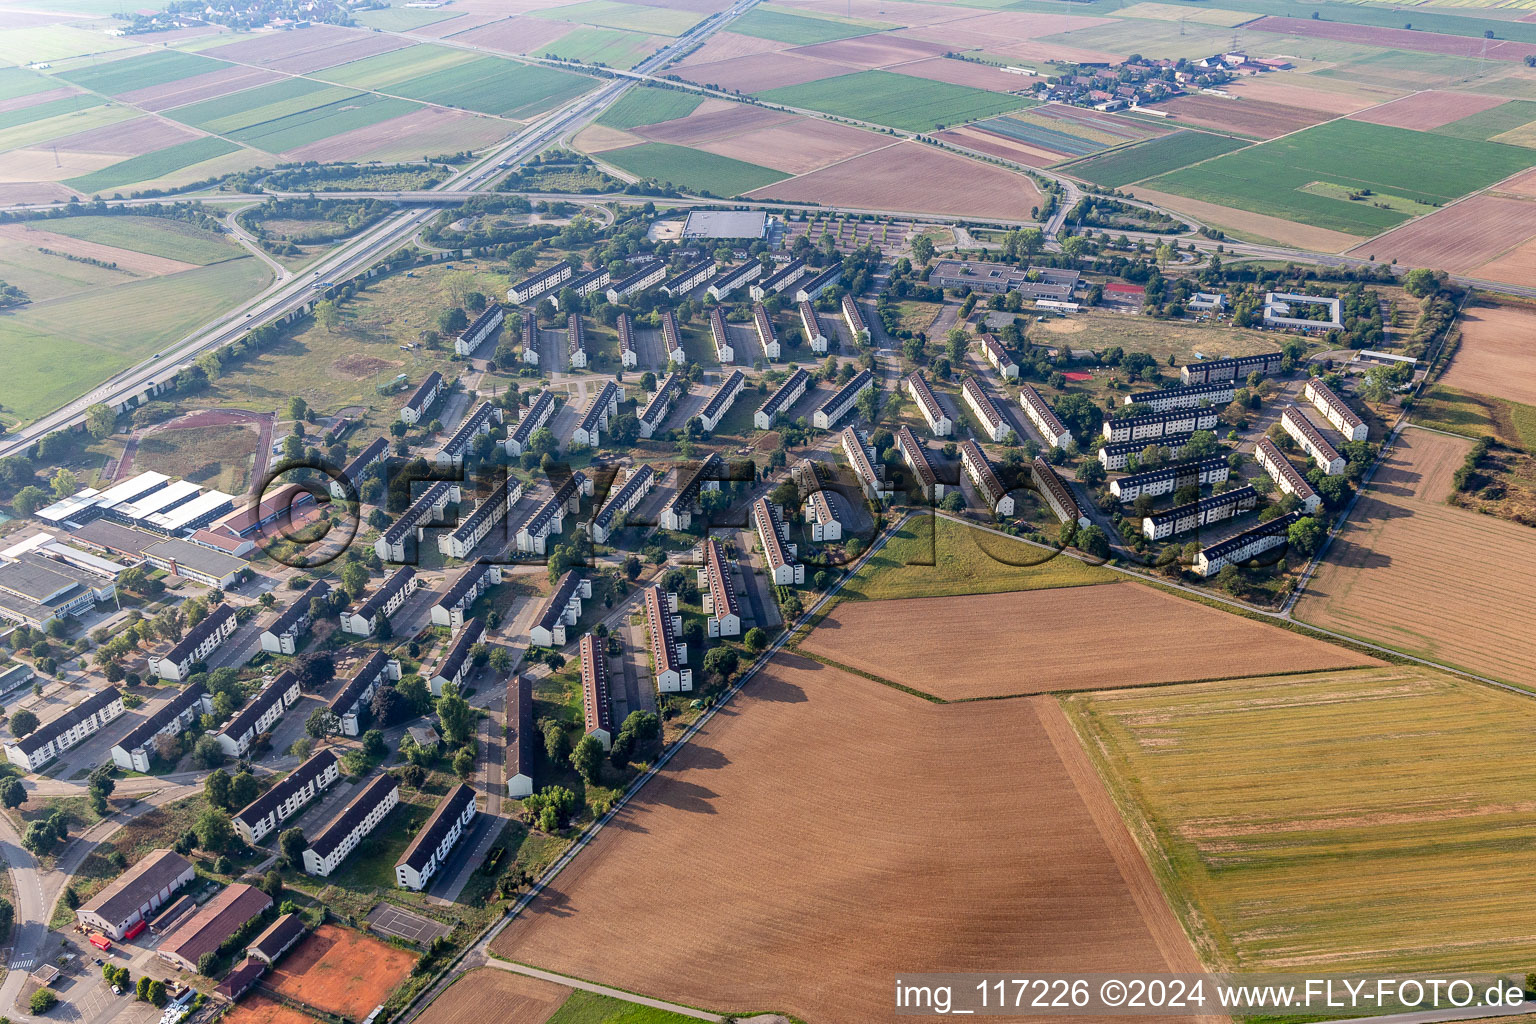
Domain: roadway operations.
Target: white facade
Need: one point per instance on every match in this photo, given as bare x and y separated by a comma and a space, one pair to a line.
1044, 418
766, 335
838, 406
1335, 410
629, 357
822, 518
442, 831
287, 797
261, 715
782, 400
534, 416
621, 501
1312, 441
721, 337
371, 805
200, 641
928, 404
993, 425
721, 401
778, 553
52, 738
1273, 461
1006, 366
811, 324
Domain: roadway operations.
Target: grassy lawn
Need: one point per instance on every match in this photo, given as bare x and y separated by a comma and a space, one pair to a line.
927, 560
1279, 812
1462, 412
151, 830
46, 276
1098, 330
1153, 157
1271, 178
900, 101
591, 1008
157, 236
648, 106
692, 169
789, 25
217, 456
58, 350
153, 165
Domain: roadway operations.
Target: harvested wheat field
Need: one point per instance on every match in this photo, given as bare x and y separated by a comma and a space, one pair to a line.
500, 995
1259, 118
1328, 95
1517, 266
962, 837
1413, 573
960, 72
428, 130
515, 35
706, 125
797, 146
341, 971
1079, 638
1425, 110
258, 1009
207, 86
126, 138
1498, 347
140, 263
874, 51
914, 178
1458, 238
757, 72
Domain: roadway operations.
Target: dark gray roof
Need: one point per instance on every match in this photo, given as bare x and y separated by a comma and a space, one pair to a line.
464, 584
145, 731
368, 797
437, 827
724, 393
398, 579
278, 936
458, 654
206, 627
549, 617
638, 479
247, 716
34, 741
366, 674
365, 458
775, 403
137, 886
286, 787
418, 401
1280, 524
298, 609
522, 745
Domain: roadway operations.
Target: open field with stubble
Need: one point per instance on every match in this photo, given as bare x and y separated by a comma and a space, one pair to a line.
932, 813
1287, 819
1494, 358
516, 997
1039, 641
1410, 572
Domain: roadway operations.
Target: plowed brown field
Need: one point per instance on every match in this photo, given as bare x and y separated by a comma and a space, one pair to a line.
797, 146
761, 71
1078, 638
962, 72
876, 51
960, 837
1458, 238
1249, 117
1425, 110
705, 126
1498, 346
199, 87
341, 971
487, 994
1413, 573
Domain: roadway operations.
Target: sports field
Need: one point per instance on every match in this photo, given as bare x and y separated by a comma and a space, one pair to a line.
1353, 821
153, 165
899, 101
1270, 178
1153, 157
648, 106
798, 26
691, 169
992, 805
142, 72
341, 971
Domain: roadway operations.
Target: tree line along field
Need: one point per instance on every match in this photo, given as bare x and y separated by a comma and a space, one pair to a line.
1151, 158
1286, 817
157, 236
1269, 178
895, 100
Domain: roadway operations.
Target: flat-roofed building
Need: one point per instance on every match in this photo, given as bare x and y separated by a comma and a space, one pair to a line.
1216, 393
720, 337
673, 386
621, 501
782, 400
348, 487
36, 589
136, 894
287, 797
629, 355
766, 335
429, 851
523, 741
384, 602
1198, 513
1044, 418
1273, 461
135, 751
777, 281
648, 276
202, 509
821, 517
374, 800
1057, 494
1280, 309
999, 278
196, 644
1249, 544
672, 338
196, 562
853, 318
596, 708
430, 506
561, 609
458, 662
1001, 359
732, 279
219, 920
692, 479
536, 415
1152, 427
734, 225
915, 454
282, 504
260, 716
1212, 469
689, 278
600, 409
1265, 364
842, 401
283, 633
811, 324
718, 590
993, 425
1311, 440
928, 404
778, 553
984, 476
454, 605
483, 420
1335, 410
808, 289
481, 329
540, 283
669, 655
351, 701
422, 399
861, 458
576, 342
722, 399
1117, 454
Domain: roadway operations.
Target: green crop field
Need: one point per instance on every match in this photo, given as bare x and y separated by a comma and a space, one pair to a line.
16, 82
93, 115
402, 19
56, 42
240, 109
613, 47
933, 556
309, 126
1270, 178
1283, 814
800, 28
151, 69
611, 14
900, 101
153, 165
692, 169
648, 106
591, 1008
158, 236
43, 111
56, 351
492, 85
386, 69
1151, 158
1482, 126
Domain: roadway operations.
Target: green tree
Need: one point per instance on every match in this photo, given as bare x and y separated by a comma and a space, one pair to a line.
100, 420
722, 661
214, 831
216, 789
297, 408
293, 844
43, 1000
13, 793
243, 788
464, 763
1306, 535
322, 722
373, 743
64, 483
327, 315
354, 579
455, 716
587, 759
556, 744
28, 500
22, 723
755, 639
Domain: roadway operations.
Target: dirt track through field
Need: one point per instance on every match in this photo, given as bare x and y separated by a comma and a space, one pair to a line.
1076, 638
957, 839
